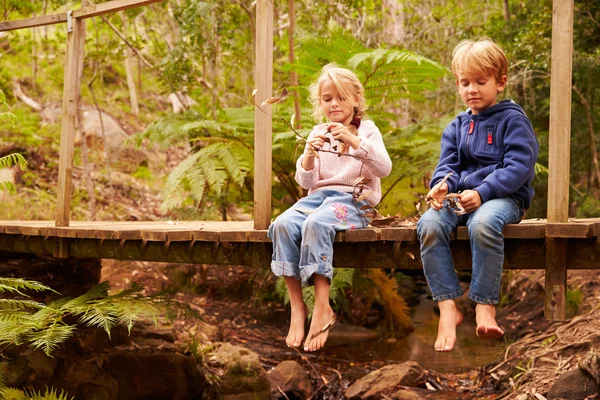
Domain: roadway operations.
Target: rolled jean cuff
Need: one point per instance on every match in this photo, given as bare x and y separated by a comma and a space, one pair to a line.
324, 269
283, 268
481, 300
450, 296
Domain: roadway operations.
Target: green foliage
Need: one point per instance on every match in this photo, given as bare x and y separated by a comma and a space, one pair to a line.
574, 300
7, 162
45, 327
342, 280
17, 394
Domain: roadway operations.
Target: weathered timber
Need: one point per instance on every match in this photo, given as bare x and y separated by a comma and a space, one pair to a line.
559, 145
403, 255
263, 135
33, 22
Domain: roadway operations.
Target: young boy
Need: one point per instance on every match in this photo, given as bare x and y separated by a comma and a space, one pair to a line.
490, 152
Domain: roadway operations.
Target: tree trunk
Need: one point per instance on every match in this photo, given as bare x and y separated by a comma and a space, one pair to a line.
135, 109
394, 30
595, 175
506, 10
293, 74
34, 53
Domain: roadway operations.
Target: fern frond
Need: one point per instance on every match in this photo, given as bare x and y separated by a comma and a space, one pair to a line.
101, 315
13, 394
9, 305
49, 338
16, 285
387, 287
13, 159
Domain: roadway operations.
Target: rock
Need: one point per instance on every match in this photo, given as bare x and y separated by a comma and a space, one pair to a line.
573, 385
291, 378
88, 381
41, 365
385, 379
15, 371
342, 334
162, 376
243, 376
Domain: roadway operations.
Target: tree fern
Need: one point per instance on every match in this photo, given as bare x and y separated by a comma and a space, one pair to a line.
45, 328
17, 394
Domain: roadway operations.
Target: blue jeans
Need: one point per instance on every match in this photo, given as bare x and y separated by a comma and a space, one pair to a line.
485, 227
303, 235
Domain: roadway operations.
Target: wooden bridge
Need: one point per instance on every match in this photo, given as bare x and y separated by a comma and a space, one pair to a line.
554, 244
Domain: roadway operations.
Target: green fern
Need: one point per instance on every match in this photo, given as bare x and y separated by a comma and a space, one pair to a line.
45, 328
17, 394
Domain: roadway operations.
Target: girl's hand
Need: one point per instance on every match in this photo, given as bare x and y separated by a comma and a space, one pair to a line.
470, 200
340, 133
435, 197
317, 141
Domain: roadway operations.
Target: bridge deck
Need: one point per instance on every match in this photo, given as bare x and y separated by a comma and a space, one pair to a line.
232, 243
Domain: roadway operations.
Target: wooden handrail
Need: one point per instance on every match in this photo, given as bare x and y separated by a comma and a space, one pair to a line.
85, 12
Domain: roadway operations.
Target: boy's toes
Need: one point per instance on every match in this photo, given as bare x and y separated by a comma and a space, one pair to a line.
489, 332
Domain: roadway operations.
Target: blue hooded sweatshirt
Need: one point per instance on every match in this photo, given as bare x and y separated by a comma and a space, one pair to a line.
493, 152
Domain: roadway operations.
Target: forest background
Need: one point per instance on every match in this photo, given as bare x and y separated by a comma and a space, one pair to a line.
202, 52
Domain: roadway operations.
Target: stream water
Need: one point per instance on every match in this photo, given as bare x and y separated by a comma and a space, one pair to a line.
469, 352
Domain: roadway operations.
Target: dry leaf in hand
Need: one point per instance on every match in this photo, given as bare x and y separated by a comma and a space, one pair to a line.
364, 195
274, 100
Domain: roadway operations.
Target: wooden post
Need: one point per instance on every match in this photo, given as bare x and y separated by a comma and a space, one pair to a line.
561, 71
263, 72
69, 118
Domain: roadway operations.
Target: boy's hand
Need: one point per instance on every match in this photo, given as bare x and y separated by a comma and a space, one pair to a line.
435, 197
340, 133
470, 200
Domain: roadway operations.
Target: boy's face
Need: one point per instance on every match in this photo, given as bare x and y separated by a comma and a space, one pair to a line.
335, 108
479, 91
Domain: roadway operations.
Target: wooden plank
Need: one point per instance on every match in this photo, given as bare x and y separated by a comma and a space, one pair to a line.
570, 230
561, 71
69, 117
262, 116
33, 22
234, 236
362, 235
110, 7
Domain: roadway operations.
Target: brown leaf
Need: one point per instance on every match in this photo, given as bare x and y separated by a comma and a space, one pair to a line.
358, 180
274, 100
366, 207
364, 195
371, 215
384, 222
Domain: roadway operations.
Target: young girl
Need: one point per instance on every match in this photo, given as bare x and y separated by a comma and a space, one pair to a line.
337, 154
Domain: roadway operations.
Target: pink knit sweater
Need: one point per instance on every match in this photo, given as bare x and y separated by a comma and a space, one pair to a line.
339, 173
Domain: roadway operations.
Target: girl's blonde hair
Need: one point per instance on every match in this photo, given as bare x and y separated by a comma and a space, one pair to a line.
347, 84
479, 57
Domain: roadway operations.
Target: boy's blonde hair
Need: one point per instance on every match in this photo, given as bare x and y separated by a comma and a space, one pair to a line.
347, 84
479, 57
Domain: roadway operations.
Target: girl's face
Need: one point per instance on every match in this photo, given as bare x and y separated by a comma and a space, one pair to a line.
335, 108
479, 91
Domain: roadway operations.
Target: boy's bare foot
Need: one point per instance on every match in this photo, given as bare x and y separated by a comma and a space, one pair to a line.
450, 318
487, 327
322, 321
296, 332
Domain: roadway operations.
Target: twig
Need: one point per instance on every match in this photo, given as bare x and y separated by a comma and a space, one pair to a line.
283, 393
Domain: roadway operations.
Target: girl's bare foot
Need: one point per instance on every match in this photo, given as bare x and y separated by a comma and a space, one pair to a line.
322, 321
450, 318
487, 327
296, 332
